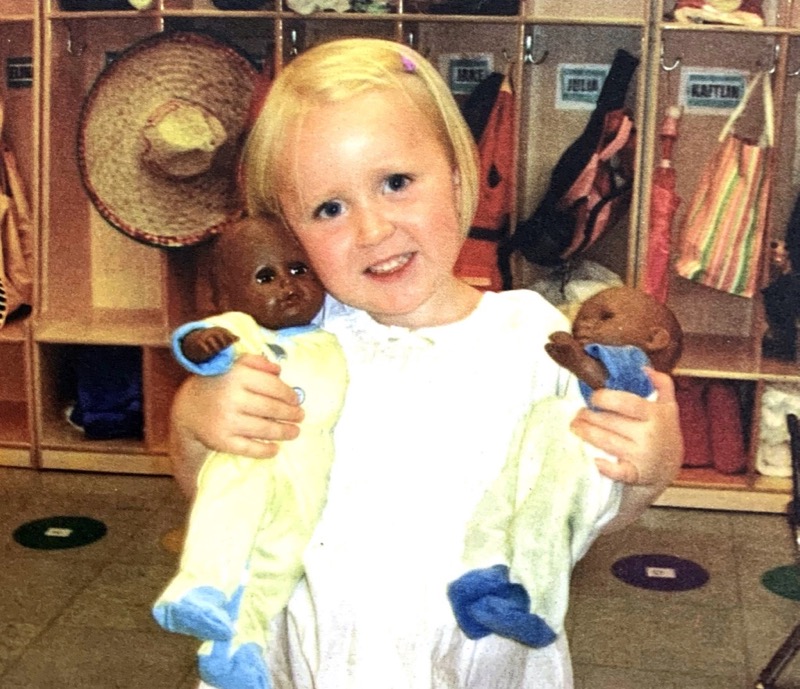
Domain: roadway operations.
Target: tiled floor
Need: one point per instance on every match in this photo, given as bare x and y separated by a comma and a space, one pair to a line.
79, 618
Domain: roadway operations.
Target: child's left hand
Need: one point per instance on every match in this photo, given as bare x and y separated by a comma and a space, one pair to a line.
644, 436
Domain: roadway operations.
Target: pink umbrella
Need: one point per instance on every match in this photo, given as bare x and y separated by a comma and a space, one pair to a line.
663, 204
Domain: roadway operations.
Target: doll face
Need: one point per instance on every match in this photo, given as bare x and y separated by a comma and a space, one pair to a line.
262, 270
617, 316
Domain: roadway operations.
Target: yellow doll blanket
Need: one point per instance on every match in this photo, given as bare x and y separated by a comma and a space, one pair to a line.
530, 529
251, 519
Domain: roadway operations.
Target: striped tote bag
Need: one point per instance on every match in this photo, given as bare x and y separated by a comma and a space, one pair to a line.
723, 229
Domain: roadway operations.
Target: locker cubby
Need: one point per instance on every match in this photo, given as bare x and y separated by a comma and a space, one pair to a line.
18, 10
723, 331
97, 285
226, 7
15, 407
253, 36
61, 368
623, 11
548, 130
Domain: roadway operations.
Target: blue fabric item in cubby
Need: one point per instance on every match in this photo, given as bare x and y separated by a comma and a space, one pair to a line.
108, 391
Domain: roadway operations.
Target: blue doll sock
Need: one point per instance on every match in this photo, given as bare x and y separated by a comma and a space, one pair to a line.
229, 664
243, 668
206, 614
201, 613
485, 602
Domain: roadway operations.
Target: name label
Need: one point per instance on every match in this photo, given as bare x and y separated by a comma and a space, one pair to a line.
579, 85
19, 72
464, 72
711, 91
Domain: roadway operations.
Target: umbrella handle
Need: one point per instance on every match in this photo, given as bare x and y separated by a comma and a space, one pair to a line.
668, 134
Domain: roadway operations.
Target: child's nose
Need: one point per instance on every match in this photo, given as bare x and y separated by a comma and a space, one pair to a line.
374, 226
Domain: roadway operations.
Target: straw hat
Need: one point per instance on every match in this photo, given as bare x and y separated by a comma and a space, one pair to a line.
159, 136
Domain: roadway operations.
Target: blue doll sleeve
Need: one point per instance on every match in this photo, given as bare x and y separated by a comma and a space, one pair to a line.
216, 365
625, 369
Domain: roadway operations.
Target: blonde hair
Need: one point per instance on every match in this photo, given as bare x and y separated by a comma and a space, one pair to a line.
334, 72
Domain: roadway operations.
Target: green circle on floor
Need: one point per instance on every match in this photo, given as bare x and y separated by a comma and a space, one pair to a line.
60, 532
783, 581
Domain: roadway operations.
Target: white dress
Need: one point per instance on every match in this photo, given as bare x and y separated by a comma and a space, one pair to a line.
427, 422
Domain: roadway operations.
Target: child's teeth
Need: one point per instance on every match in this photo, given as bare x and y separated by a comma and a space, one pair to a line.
390, 265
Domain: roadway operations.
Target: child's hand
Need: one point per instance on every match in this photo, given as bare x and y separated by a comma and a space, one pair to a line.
244, 412
645, 436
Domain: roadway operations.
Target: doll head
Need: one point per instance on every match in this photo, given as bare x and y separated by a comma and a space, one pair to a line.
626, 316
335, 72
259, 268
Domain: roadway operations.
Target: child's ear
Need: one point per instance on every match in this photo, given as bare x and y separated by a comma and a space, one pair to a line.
658, 339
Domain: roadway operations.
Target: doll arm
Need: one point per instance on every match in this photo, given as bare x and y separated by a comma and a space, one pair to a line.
598, 366
200, 345
213, 366
210, 346
568, 353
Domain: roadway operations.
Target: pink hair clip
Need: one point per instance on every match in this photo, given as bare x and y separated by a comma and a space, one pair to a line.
408, 64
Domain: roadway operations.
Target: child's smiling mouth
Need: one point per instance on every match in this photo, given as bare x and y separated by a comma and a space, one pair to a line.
390, 265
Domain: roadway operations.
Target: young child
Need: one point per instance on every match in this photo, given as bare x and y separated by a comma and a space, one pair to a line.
536, 519
362, 150
251, 520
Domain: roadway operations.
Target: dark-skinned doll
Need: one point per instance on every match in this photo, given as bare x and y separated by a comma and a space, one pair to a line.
251, 519
615, 334
536, 520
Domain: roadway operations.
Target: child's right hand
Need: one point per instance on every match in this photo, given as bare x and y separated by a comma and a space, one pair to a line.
244, 412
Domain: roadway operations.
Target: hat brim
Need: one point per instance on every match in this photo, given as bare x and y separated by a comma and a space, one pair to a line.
152, 208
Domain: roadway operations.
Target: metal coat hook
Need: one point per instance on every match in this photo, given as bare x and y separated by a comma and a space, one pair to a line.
776, 51
294, 51
676, 63
411, 42
796, 73
71, 49
528, 57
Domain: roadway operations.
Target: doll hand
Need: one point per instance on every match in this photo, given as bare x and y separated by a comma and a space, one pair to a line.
643, 435
564, 350
570, 354
202, 344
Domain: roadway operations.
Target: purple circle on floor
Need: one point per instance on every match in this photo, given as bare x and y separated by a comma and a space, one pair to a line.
659, 572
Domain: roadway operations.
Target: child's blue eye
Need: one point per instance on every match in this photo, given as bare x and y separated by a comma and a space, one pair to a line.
329, 209
397, 182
